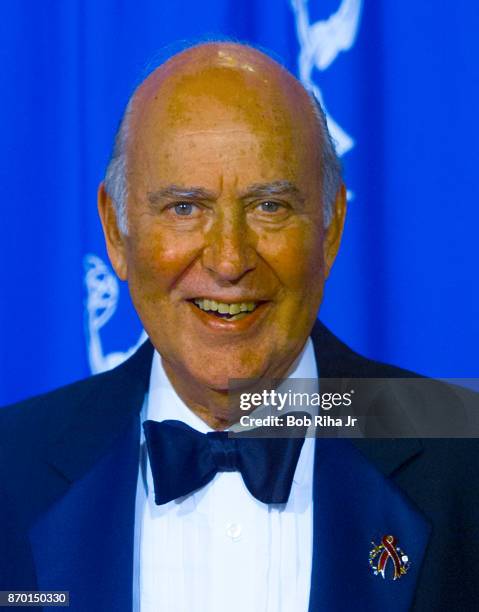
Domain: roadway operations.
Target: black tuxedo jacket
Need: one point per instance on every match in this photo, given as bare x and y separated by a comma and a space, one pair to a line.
68, 474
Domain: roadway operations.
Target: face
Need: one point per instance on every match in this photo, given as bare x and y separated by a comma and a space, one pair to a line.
226, 254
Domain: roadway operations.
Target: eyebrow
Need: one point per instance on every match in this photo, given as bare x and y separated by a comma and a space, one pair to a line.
276, 188
177, 192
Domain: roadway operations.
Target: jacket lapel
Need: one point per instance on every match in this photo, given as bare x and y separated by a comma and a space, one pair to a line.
83, 541
87, 548
355, 504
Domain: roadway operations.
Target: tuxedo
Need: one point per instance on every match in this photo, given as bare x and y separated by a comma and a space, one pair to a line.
68, 475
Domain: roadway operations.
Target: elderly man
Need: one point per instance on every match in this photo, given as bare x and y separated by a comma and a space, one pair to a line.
223, 209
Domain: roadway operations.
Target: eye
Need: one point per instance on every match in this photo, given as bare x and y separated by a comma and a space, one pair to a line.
270, 207
183, 209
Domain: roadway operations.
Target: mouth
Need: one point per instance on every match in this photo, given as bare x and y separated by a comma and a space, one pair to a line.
228, 311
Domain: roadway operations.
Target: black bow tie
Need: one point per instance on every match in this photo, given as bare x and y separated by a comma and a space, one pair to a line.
183, 460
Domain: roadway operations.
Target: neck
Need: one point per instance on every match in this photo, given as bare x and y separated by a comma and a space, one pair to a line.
219, 408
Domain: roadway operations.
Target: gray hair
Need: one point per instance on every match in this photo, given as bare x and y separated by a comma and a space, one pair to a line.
331, 170
116, 182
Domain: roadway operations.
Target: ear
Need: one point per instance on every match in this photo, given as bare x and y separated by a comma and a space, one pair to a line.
115, 240
332, 238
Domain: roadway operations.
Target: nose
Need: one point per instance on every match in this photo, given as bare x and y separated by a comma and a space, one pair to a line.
228, 253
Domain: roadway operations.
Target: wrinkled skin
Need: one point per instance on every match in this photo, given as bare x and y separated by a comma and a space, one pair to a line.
225, 201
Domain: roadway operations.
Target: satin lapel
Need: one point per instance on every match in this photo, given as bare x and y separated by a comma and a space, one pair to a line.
354, 505
84, 542
82, 536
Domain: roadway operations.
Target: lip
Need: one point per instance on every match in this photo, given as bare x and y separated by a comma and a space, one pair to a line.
227, 300
217, 324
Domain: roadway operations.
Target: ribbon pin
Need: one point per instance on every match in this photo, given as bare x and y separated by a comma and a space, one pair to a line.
388, 549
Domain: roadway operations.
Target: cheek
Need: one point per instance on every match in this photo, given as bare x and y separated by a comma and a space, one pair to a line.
296, 257
158, 259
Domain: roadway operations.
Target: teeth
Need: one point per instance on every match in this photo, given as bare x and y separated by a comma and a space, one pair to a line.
235, 309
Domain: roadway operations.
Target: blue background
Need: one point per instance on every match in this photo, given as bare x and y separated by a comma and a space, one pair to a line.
404, 288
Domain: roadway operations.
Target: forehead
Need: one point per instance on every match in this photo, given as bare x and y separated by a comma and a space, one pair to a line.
223, 103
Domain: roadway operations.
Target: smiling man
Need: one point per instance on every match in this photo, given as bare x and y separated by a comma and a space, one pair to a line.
223, 208
224, 241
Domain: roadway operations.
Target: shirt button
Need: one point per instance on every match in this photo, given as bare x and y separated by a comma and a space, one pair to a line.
233, 531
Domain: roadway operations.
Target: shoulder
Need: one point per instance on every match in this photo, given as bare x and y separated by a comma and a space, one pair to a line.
30, 428
36, 422
443, 469
49, 440
44, 415
336, 359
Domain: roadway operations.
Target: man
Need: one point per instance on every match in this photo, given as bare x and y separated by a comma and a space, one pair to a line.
223, 208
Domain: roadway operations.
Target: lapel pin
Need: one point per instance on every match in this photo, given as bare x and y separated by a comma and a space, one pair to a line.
388, 549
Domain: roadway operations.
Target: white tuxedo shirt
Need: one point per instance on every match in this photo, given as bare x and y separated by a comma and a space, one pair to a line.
219, 548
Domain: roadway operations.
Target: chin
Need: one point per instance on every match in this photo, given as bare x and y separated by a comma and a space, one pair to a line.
220, 380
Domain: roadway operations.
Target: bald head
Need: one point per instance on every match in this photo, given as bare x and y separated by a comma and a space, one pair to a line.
251, 84
220, 86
